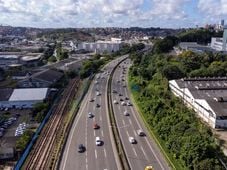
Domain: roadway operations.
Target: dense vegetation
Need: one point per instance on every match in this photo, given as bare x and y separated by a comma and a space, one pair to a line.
201, 36
189, 142
22, 142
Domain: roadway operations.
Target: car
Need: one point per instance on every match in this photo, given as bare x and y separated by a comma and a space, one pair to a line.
132, 140
96, 82
114, 91
81, 148
126, 113
123, 85
118, 81
91, 100
126, 98
90, 115
97, 105
98, 93
129, 104
149, 167
96, 126
121, 99
120, 94
115, 102
123, 103
122, 79
140, 132
98, 141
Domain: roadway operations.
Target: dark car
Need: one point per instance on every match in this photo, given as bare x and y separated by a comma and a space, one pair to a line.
81, 148
121, 100
120, 94
97, 105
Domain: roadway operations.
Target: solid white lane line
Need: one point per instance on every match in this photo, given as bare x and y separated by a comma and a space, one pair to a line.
74, 127
105, 152
135, 117
96, 154
102, 133
94, 132
101, 118
134, 151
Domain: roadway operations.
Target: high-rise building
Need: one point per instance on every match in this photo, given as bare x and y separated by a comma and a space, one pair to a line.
224, 38
222, 22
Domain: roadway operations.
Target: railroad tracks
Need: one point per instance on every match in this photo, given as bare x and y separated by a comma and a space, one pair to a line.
44, 153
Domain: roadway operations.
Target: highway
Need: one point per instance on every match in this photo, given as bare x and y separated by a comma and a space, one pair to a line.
145, 151
82, 132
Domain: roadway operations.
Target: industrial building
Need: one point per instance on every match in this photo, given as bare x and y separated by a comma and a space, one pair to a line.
207, 96
42, 79
22, 98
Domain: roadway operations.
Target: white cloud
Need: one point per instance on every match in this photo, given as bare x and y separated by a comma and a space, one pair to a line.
213, 7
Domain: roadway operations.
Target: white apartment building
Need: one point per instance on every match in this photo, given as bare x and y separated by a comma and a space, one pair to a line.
207, 96
101, 46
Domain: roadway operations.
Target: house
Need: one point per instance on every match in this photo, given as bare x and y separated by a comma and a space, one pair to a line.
41, 79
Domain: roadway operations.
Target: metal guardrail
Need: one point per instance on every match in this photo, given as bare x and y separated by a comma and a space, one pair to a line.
120, 149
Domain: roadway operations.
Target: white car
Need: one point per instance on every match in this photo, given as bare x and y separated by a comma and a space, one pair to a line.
140, 132
123, 103
126, 113
129, 104
132, 140
115, 102
98, 141
98, 93
90, 115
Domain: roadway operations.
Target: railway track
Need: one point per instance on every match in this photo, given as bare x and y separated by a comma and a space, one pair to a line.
43, 152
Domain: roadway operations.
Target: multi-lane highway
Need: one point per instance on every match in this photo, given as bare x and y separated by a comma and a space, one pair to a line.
82, 132
145, 152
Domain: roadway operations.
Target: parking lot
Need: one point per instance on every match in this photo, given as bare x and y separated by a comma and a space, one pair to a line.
13, 121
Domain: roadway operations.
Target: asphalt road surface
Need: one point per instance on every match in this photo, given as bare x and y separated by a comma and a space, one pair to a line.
95, 157
145, 152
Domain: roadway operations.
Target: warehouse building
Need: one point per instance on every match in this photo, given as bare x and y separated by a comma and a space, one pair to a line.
207, 96
22, 98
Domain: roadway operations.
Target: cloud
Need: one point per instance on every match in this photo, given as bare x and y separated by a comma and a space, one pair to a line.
213, 7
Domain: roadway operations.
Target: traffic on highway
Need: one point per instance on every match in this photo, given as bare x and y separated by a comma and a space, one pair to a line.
91, 144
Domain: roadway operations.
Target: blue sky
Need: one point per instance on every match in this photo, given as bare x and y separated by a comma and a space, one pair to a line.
112, 13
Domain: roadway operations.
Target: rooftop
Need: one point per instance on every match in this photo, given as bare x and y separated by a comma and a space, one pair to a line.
213, 90
5, 94
29, 94
48, 75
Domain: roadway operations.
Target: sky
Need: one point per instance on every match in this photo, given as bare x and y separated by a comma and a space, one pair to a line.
112, 13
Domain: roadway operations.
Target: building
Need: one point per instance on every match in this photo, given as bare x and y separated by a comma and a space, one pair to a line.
31, 59
207, 96
8, 60
41, 79
219, 44
100, 46
6, 153
194, 46
22, 98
